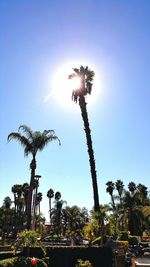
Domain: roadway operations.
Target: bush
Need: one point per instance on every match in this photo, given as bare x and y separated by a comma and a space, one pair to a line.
82, 263
21, 262
7, 262
68, 256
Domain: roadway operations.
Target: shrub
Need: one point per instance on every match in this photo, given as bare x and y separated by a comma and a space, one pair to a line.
7, 262
21, 262
68, 256
82, 263
28, 239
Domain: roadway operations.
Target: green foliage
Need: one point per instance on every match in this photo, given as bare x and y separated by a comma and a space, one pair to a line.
28, 239
91, 229
82, 263
7, 262
21, 262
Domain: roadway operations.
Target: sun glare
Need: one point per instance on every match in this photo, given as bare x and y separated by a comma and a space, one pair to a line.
62, 86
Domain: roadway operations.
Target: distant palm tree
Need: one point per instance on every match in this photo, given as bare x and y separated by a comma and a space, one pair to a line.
50, 195
25, 190
86, 76
7, 202
6, 216
120, 187
57, 216
57, 195
14, 191
132, 187
143, 194
32, 143
38, 201
17, 190
133, 212
110, 189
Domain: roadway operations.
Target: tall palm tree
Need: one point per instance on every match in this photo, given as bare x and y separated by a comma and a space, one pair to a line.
32, 143
86, 77
38, 201
110, 189
50, 195
120, 187
25, 190
14, 191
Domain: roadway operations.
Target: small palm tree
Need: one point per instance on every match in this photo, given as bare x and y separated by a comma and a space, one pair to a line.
120, 187
7, 202
32, 143
78, 95
57, 215
50, 195
133, 211
25, 190
132, 187
57, 195
38, 201
110, 189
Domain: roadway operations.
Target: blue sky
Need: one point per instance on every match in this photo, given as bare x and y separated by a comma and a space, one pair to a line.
36, 39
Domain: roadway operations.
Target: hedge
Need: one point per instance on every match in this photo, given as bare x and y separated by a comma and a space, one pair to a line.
21, 262
68, 256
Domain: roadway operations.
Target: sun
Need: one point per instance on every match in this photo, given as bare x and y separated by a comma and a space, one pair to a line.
62, 86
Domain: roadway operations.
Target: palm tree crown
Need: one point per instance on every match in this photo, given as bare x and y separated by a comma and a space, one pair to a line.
86, 76
33, 141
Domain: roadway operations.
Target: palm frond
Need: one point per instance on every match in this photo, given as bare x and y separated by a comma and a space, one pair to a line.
22, 139
27, 130
90, 75
89, 87
71, 76
77, 71
86, 75
40, 140
13, 135
46, 132
28, 149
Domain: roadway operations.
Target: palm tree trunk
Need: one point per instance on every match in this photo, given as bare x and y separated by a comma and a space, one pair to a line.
50, 209
29, 205
84, 114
